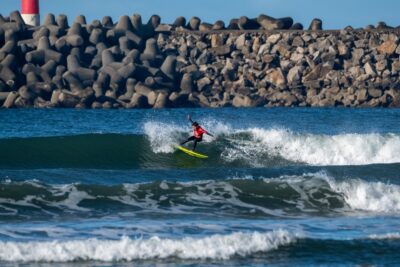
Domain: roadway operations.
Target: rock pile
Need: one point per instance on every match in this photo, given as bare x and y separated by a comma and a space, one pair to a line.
129, 64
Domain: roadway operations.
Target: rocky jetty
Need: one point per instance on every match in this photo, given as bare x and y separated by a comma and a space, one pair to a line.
250, 62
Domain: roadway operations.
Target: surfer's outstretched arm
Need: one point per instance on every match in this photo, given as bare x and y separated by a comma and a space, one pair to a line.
207, 133
190, 118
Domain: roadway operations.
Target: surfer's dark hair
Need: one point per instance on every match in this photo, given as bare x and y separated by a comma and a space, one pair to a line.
195, 124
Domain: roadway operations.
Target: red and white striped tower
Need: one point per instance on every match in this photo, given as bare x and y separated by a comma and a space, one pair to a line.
30, 12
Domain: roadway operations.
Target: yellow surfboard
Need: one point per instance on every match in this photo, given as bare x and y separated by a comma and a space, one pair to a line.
192, 153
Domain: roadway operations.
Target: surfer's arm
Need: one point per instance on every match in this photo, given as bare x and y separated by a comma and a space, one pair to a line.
190, 118
207, 133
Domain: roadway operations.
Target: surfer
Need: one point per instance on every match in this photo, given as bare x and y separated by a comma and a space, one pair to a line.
198, 133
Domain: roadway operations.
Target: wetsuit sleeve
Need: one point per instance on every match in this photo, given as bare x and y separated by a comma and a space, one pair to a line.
203, 131
206, 132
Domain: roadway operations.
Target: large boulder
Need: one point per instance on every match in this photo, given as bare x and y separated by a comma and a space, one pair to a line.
276, 77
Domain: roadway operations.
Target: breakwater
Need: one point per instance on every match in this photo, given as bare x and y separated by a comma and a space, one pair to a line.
251, 62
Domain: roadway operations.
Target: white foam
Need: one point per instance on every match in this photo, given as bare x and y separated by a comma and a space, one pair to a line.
164, 136
69, 199
216, 127
385, 236
359, 195
369, 196
75, 197
342, 149
212, 247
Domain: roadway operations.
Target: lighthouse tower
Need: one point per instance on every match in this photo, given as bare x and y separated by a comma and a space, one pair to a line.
30, 12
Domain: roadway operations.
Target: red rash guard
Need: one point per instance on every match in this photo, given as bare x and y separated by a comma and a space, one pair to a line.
198, 132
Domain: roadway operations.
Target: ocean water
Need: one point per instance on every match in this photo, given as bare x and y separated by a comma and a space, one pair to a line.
297, 187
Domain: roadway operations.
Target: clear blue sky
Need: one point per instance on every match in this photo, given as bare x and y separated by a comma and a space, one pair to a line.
334, 13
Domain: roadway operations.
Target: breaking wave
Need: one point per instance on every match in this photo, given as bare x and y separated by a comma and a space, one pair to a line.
308, 194
220, 247
155, 148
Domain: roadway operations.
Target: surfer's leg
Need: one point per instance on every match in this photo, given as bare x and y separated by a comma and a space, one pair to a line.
196, 140
194, 144
188, 140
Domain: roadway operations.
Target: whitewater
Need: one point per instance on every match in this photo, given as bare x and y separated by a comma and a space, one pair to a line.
313, 149
300, 187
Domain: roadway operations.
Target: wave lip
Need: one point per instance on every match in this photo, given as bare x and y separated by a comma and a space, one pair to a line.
219, 247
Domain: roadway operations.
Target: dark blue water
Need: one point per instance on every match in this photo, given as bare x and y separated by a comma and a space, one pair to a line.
281, 187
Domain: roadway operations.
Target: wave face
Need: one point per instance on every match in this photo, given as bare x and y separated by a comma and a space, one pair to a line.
286, 196
253, 147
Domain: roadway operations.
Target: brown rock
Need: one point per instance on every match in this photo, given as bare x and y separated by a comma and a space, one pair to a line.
374, 102
187, 84
221, 50
107, 105
162, 101
283, 49
21, 102
268, 58
294, 75
179, 99
369, 69
10, 100
274, 39
285, 98
203, 83
152, 98
240, 42
395, 67
375, 93
96, 105
381, 65
357, 55
388, 47
327, 102
142, 89
298, 41
256, 45
316, 25
55, 96
344, 50
395, 95
204, 102
67, 99
362, 95
138, 101
216, 40
242, 101
276, 77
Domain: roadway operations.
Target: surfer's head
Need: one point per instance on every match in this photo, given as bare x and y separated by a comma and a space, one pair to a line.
195, 124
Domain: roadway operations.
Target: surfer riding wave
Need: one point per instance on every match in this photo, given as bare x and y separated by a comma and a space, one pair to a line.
198, 133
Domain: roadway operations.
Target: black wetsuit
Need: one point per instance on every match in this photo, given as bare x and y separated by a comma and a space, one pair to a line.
193, 138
